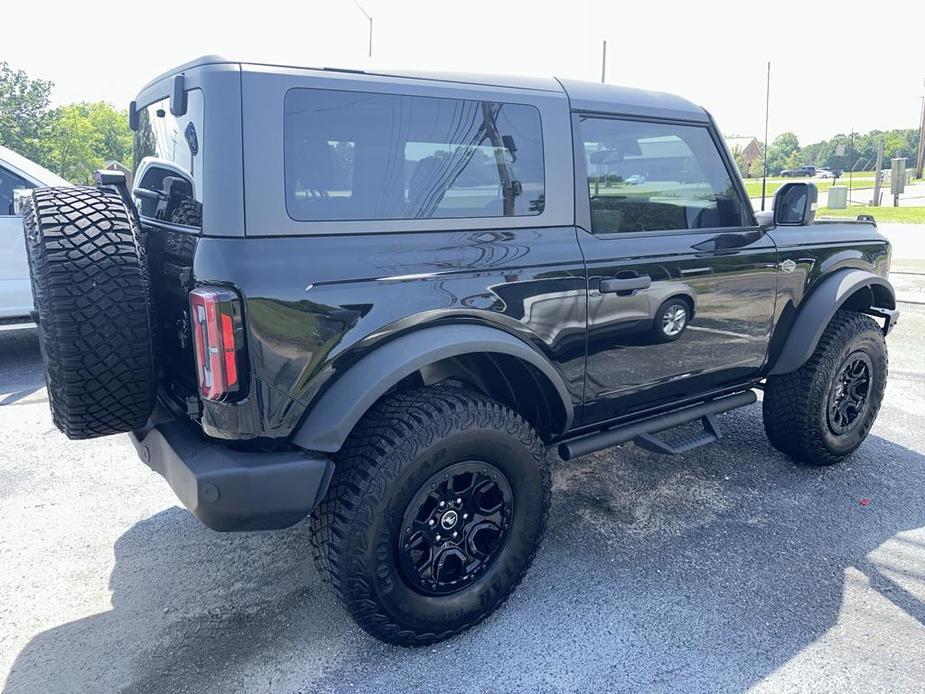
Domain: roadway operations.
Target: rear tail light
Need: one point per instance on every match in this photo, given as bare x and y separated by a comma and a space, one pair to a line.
218, 340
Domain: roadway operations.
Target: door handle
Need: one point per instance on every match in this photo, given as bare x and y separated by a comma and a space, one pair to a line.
628, 284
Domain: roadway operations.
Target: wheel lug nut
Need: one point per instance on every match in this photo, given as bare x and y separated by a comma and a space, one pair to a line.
455, 533
465, 516
458, 500
432, 521
438, 537
442, 504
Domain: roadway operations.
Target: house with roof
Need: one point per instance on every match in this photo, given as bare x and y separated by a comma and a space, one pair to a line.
749, 154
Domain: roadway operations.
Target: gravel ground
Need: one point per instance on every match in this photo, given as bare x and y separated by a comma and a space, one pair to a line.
725, 569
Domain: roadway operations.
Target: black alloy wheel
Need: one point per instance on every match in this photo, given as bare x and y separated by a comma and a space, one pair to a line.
455, 527
848, 394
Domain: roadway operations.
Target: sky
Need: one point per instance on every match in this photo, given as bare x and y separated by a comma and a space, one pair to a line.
832, 65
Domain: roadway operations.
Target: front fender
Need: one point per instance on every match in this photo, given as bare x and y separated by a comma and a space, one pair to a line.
333, 415
818, 309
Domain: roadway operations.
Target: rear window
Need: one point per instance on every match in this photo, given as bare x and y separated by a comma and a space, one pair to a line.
168, 162
366, 156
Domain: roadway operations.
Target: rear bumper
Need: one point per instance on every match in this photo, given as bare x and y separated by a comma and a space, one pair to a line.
228, 489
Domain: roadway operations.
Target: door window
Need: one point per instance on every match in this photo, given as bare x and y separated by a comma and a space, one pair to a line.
656, 177
8, 183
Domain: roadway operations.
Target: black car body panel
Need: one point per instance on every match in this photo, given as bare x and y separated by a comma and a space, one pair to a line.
339, 312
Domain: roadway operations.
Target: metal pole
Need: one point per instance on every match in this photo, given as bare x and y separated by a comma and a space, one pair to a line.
767, 106
920, 155
604, 62
878, 175
850, 164
367, 15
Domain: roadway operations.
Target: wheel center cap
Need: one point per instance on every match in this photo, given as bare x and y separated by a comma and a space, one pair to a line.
449, 519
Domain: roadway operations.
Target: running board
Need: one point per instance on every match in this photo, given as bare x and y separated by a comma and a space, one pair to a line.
643, 433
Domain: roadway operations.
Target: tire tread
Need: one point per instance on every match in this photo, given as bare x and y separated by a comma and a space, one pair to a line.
91, 293
792, 400
372, 456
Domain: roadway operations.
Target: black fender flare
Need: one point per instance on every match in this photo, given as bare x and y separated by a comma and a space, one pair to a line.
334, 414
819, 308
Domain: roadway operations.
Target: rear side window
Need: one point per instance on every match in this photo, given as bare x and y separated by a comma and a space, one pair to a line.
656, 177
366, 156
168, 162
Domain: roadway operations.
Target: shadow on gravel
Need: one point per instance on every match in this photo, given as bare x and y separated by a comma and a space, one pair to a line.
707, 572
20, 365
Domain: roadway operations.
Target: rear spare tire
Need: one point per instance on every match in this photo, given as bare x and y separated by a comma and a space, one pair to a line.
91, 297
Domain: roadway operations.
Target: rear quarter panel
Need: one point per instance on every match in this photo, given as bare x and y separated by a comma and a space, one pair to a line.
315, 304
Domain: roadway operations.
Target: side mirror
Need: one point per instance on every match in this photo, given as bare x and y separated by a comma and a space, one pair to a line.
19, 200
178, 95
795, 204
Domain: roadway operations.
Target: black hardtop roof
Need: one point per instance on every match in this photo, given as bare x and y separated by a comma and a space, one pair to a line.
583, 96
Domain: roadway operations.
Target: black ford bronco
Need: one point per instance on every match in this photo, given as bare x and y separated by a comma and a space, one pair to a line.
381, 299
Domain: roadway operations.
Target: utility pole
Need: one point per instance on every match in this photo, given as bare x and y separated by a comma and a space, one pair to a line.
920, 155
366, 14
604, 62
878, 175
851, 163
767, 106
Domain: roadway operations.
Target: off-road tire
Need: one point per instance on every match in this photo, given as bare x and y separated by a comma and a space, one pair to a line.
795, 404
188, 213
399, 445
91, 295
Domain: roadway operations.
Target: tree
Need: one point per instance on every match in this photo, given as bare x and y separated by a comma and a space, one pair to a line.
739, 156
781, 152
84, 136
23, 112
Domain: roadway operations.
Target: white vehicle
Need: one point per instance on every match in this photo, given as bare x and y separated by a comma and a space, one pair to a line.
824, 173
16, 174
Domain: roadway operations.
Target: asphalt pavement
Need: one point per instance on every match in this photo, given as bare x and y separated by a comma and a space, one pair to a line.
726, 569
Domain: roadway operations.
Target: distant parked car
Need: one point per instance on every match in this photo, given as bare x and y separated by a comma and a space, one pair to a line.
824, 173
17, 175
799, 171
635, 180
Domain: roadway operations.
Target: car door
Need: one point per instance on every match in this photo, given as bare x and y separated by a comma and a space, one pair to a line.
15, 289
681, 281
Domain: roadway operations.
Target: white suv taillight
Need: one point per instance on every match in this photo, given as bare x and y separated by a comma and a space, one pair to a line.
218, 340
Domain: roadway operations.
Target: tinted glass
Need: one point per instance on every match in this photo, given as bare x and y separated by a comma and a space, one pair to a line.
170, 183
656, 177
358, 155
8, 183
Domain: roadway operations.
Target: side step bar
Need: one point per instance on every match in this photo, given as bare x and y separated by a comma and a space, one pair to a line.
641, 433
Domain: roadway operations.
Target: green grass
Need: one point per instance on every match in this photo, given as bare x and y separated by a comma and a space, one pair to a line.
904, 215
859, 181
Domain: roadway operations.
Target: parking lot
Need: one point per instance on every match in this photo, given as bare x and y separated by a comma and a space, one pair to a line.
725, 569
